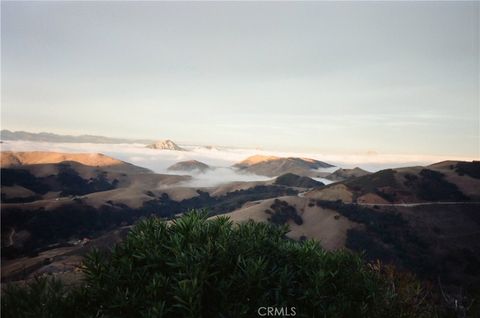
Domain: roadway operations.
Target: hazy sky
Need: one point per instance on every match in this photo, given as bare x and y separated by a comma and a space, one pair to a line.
308, 76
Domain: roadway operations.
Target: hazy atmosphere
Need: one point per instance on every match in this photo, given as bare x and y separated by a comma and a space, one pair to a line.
240, 159
332, 77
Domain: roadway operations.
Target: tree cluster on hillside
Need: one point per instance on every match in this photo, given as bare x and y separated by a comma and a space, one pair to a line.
281, 212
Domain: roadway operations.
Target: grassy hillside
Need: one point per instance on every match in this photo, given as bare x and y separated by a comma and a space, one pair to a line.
276, 166
77, 219
414, 184
437, 242
345, 174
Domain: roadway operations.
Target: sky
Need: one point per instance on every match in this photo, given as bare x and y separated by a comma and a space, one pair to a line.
331, 77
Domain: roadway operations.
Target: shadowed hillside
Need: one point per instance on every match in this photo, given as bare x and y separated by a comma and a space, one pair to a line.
293, 180
439, 182
345, 174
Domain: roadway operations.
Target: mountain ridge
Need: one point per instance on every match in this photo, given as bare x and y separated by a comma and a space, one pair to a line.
21, 158
51, 137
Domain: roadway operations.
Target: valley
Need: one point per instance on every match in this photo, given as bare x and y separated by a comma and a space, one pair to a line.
58, 206
240, 159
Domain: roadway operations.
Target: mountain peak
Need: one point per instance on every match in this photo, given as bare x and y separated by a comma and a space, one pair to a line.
166, 144
258, 159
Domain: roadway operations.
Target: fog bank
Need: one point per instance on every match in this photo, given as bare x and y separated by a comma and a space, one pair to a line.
221, 158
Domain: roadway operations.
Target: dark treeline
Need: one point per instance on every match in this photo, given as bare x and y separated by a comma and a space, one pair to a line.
78, 220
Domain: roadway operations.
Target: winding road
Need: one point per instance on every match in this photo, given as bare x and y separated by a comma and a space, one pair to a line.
411, 204
407, 205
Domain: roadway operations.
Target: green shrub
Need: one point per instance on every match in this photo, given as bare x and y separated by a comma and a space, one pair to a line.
41, 298
196, 267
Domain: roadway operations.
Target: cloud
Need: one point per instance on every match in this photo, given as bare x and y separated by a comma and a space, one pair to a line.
222, 158
222, 175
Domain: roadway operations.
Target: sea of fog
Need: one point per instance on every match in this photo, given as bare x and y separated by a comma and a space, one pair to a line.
220, 157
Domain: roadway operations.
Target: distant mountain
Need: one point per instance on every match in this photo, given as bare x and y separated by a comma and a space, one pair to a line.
49, 137
165, 145
345, 174
293, 180
272, 166
189, 165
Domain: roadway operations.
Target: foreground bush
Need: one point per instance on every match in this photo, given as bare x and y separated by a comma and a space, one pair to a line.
211, 268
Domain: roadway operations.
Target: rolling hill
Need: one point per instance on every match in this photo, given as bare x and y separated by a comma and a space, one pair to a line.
189, 165
439, 182
275, 166
293, 180
11, 159
345, 174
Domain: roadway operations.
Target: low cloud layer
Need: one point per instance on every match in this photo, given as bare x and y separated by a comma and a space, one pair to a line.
219, 176
221, 158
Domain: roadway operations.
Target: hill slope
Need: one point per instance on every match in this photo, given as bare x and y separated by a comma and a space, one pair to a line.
439, 182
304, 219
189, 165
275, 166
345, 174
293, 180
12, 159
